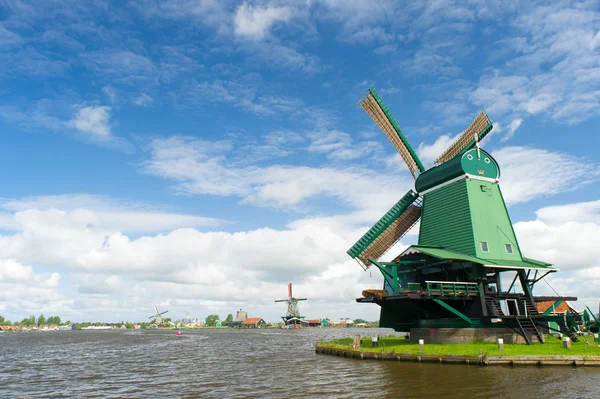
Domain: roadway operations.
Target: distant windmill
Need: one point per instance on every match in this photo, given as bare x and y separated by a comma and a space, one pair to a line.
158, 316
293, 314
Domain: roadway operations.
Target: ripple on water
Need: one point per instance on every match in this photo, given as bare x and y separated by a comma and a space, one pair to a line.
250, 363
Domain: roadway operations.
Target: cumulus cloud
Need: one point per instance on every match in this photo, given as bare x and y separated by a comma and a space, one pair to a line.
254, 22
230, 268
429, 152
95, 213
198, 170
528, 173
92, 120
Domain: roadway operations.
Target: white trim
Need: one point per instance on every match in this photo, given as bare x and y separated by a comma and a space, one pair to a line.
465, 176
488, 179
520, 267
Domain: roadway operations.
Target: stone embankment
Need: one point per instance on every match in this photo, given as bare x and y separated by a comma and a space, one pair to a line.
482, 360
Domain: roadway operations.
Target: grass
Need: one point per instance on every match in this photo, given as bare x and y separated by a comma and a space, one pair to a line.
552, 347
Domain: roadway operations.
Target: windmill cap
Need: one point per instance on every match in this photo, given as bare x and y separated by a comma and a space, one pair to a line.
472, 163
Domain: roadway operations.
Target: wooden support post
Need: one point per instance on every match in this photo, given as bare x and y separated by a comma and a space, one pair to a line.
356, 343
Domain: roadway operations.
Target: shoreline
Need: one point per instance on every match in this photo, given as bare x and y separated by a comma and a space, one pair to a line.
481, 360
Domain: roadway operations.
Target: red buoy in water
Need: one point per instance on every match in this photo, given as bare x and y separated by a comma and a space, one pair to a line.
178, 333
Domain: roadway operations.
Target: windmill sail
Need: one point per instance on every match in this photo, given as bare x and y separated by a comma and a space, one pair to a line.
481, 126
379, 112
388, 230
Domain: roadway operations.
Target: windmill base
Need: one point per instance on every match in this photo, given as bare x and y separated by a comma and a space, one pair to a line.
464, 335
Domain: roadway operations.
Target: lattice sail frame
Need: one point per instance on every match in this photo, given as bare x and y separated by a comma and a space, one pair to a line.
378, 111
391, 235
388, 230
480, 126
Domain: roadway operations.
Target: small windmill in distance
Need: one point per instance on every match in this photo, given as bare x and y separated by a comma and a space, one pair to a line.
158, 320
293, 314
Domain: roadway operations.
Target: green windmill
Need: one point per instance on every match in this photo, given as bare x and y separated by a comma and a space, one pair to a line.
450, 285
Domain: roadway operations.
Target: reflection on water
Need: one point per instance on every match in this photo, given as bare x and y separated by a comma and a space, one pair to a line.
250, 364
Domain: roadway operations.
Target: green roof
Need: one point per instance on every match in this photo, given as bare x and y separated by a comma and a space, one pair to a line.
442, 253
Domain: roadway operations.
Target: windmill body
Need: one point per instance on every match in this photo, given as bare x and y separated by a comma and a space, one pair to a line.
158, 319
452, 280
292, 315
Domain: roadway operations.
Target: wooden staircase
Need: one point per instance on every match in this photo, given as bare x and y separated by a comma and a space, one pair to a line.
528, 330
566, 331
493, 306
531, 309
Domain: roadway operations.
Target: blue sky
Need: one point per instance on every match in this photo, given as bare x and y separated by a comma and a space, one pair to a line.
201, 154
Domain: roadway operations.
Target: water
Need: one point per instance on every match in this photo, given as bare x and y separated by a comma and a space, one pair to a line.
230, 363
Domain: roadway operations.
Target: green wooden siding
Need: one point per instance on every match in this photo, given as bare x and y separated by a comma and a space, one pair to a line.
491, 222
446, 219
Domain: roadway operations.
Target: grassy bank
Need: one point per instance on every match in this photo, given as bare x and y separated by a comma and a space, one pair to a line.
400, 345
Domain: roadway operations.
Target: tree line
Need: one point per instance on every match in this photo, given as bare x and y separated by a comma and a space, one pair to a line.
33, 321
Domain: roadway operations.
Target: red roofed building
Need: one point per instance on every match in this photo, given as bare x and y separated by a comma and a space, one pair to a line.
253, 322
554, 307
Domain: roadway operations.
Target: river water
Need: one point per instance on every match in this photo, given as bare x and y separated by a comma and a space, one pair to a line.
227, 363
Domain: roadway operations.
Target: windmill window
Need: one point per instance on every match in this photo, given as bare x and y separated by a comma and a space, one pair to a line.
509, 248
487, 160
470, 157
484, 246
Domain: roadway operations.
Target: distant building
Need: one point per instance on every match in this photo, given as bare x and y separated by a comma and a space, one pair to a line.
253, 322
311, 323
241, 315
342, 323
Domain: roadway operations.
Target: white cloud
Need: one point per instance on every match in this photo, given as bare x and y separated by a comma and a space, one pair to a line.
143, 100
550, 67
111, 93
528, 173
179, 265
94, 213
200, 171
564, 235
23, 291
429, 152
245, 92
93, 120
512, 129
254, 22
340, 146
9, 39
595, 43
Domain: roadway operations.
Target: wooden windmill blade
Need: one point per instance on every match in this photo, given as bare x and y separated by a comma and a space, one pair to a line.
379, 112
480, 126
388, 230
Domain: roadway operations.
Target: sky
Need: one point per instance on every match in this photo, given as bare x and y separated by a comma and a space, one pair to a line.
199, 155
